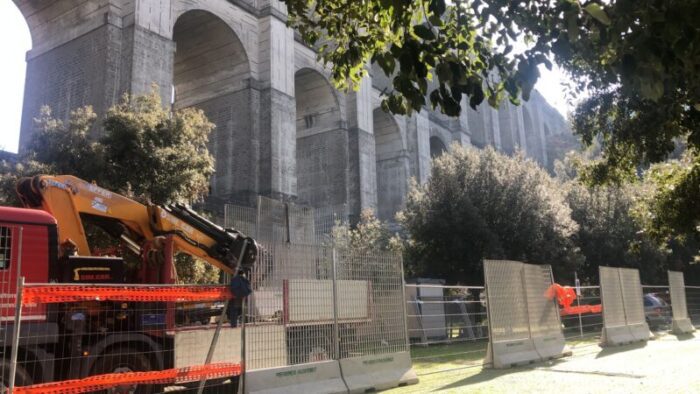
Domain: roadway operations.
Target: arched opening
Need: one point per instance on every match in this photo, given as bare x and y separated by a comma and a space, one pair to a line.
321, 143
437, 147
13, 76
392, 166
211, 72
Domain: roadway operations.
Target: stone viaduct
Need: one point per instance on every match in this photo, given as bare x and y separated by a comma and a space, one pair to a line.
282, 130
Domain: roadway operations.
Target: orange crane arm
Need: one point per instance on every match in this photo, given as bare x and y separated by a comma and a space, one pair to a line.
68, 198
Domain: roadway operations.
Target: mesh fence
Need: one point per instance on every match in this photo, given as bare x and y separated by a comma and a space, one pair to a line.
612, 297
508, 318
632, 295
295, 294
543, 312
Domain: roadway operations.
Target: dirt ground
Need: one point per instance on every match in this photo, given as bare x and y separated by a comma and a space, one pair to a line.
667, 364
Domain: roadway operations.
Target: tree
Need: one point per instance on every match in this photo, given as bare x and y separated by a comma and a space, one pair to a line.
636, 59
608, 233
483, 204
145, 152
157, 155
368, 235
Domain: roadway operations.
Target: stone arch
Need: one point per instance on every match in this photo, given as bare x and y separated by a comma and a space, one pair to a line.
392, 165
211, 71
321, 141
437, 147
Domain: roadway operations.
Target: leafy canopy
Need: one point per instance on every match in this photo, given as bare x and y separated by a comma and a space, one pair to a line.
145, 152
484, 204
637, 60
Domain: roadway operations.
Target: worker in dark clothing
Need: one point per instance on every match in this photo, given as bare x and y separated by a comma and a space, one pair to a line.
240, 289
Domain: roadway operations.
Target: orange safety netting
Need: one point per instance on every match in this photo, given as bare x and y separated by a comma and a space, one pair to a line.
55, 294
102, 382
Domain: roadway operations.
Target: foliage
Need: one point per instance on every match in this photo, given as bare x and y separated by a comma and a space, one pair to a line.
157, 155
194, 271
11, 173
468, 45
636, 59
368, 235
483, 204
669, 208
145, 152
610, 230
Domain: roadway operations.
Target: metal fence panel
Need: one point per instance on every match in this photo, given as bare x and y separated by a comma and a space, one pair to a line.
632, 296
373, 350
543, 312
623, 308
507, 306
611, 297
523, 322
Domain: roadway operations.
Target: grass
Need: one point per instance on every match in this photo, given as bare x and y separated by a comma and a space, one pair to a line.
664, 364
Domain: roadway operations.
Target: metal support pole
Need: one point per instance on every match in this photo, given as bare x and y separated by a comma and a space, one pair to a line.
18, 313
578, 304
241, 379
15, 333
215, 338
336, 336
405, 312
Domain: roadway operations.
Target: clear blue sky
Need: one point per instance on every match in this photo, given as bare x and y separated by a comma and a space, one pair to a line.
17, 42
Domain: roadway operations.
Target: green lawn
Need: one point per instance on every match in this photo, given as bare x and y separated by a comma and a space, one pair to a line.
665, 364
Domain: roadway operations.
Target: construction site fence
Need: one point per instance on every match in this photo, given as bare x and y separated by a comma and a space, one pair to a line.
339, 309
448, 325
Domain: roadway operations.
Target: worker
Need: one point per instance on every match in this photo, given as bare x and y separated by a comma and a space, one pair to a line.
240, 289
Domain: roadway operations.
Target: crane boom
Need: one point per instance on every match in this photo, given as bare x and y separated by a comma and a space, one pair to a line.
69, 199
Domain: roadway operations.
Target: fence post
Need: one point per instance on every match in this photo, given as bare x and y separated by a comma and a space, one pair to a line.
405, 314
336, 343
15, 332
18, 312
215, 338
578, 304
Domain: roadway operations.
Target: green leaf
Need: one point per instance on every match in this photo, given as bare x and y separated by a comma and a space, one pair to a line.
572, 25
597, 12
443, 72
697, 107
424, 32
652, 90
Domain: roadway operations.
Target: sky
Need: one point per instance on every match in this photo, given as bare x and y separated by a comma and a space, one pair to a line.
13, 68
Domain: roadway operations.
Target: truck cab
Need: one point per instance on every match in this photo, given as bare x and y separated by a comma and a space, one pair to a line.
28, 243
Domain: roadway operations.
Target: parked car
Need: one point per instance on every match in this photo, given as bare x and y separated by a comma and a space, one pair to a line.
657, 311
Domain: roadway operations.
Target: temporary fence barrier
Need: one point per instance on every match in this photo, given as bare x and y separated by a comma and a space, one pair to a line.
524, 324
333, 320
338, 311
681, 321
623, 308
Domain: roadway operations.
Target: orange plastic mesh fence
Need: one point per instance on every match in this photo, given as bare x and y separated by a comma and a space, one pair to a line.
32, 294
102, 382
